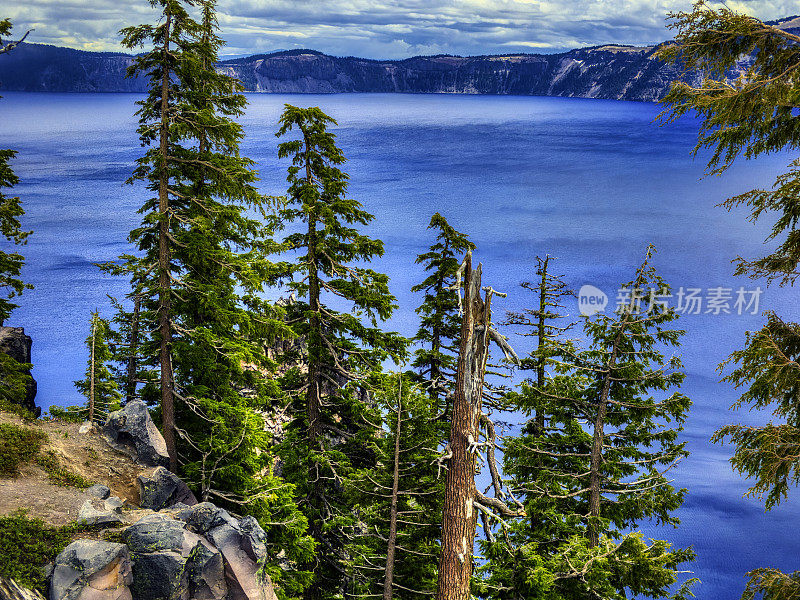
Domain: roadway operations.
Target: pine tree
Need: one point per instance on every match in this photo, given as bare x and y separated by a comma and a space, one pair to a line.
545, 323
99, 386
592, 461
329, 436
14, 376
440, 322
165, 127
400, 501
10, 212
749, 117
130, 369
128, 336
200, 280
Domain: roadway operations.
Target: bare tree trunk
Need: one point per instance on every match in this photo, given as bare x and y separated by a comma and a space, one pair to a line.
164, 264
392, 543
11, 45
459, 517
540, 372
91, 370
133, 348
10, 590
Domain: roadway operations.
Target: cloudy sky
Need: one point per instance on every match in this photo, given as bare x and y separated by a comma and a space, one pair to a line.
381, 28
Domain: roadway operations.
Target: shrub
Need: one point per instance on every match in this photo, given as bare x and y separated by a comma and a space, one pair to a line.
71, 414
58, 474
17, 445
26, 545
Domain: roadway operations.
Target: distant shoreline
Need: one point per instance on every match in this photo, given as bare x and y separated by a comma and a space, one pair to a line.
610, 72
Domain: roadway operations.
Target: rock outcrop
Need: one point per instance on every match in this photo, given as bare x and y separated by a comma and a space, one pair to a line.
198, 552
97, 511
17, 345
92, 570
132, 431
163, 489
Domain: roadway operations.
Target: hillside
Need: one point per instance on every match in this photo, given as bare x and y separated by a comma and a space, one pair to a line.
611, 72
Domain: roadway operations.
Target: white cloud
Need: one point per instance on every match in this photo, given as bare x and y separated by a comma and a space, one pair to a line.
396, 29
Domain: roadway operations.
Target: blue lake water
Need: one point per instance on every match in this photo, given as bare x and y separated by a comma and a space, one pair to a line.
591, 182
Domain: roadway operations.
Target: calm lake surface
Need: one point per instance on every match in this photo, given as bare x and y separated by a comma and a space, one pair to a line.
591, 182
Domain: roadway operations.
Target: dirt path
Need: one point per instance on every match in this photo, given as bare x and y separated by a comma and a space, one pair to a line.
86, 454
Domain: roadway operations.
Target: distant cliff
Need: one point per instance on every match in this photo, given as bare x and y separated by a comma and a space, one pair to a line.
612, 72
617, 72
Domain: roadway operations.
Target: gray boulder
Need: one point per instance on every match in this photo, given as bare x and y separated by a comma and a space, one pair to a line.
17, 345
203, 517
163, 489
154, 533
172, 563
92, 570
242, 573
98, 490
254, 538
160, 576
206, 573
132, 431
100, 512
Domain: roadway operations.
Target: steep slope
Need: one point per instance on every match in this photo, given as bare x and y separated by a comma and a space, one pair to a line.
615, 72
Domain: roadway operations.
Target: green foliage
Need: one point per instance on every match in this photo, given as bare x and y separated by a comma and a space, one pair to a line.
440, 322
99, 385
17, 445
21, 444
15, 378
329, 436
27, 545
752, 116
767, 368
200, 272
771, 584
70, 414
748, 117
58, 474
11, 229
399, 401
592, 460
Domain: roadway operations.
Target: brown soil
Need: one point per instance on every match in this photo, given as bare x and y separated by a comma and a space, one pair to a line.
85, 454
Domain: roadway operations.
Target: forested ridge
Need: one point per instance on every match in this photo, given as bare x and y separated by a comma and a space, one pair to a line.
610, 71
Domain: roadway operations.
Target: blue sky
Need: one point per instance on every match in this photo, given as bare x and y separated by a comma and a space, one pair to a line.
380, 29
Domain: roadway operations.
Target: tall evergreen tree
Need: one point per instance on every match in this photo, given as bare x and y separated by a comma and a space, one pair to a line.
130, 368
200, 280
99, 386
592, 461
544, 323
14, 377
10, 212
329, 436
440, 321
168, 129
750, 116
